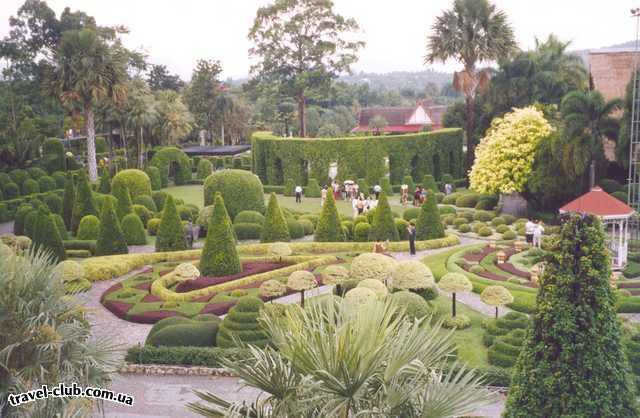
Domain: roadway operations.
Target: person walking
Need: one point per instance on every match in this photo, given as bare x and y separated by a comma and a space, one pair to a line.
411, 232
404, 194
376, 191
380, 247
538, 230
360, 205
323, 195
529, 227
417, 196
188, 234
298, 191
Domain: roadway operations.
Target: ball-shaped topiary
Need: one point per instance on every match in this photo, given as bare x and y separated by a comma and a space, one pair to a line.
242, 324
464, 228
30, 186
46, 183
372, 266
335, 274
137, 181
69, 271
133, 230
300, 281
410, 214
250, 217
485, 231
360, 296
377, 286
296, 230
10, 190
272, 289
240, 189
205, 168
54, 202
247, 231
411, 275
413, 305
36, 172
219, 256
501, 229
457, 322
275, 226
509, 235
280, 249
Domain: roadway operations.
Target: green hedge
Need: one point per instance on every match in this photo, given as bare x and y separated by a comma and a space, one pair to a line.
184, 356
275, 160
164, 158
247, 230
250, 217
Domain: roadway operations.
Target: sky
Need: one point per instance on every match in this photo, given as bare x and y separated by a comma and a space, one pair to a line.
178, 33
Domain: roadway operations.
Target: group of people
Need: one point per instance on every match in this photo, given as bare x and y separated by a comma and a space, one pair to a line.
533, 232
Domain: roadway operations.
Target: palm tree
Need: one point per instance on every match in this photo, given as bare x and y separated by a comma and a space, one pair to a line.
472, 32
46, 339
174, 119
587, 121
332, 359
224, 105
88, 69
141, 113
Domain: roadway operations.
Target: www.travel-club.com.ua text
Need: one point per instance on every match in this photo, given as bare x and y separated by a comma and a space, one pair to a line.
68, 391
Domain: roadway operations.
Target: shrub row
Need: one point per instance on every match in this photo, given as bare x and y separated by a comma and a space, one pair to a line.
184, 356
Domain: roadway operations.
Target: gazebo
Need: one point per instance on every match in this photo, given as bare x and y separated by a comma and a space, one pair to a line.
615, 216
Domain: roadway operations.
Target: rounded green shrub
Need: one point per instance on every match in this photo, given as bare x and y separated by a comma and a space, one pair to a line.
483, 216
19, 175
10, 190
377, 286
146, 201
459, 221
159, 198
498, 220
205, 168
487, 202
485, 231
60, 179
153, 225
401, 226
185, 333
360, 296
240, 189
411, 275
307, 226
361, 232
30, 186
313, 218
36, 172
89, 228
464, 228
429, 183
250, 217
477, 268
372, 266
296, 230
137, 181
447, 210
133, 230
501, 229
509, 235
163, 160
411, 213
54, 202
242, 324
143, 213
467, 200
509, 219
458, 322
247, 230
46, 183
19, 218
413, 305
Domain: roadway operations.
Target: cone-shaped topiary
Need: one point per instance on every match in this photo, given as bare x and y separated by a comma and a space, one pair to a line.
428, 224
383, 227
59, 223
68, 200
242, 323
205, 168
133, 230
429, 183
19, 220
170, 232
275, 226
329, 228
385, 184
84, 204
110, 239
105, 182
47, 237
219, 255
313, 188
572, 362
123, 208
89, 228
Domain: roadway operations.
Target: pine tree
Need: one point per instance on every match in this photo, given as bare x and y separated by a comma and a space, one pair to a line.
68, 200
219, 255
47, 237
329, 228
170, 232
428, 224
84, 204
110, 239
105, 182
121, 192
275, 226
572, 363
383, 227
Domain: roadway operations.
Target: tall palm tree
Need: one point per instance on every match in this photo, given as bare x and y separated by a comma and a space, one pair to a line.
472, 32
224, 105
587, 120
333, 359
88, 69
142, 114
174, 119
46, 339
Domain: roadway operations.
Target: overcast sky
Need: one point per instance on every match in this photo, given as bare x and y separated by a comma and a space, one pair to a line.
178, 33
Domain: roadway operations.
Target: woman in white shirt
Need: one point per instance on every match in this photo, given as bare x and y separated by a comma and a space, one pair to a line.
538, 230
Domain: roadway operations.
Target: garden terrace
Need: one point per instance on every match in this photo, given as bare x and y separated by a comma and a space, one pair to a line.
277, 161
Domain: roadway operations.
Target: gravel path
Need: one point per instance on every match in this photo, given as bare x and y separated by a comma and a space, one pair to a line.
6, 228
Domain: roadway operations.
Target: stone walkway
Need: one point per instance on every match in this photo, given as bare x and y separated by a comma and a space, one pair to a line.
6, 228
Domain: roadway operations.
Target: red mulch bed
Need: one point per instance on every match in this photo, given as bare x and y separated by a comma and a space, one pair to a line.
144, 286
248, 269
217, 308
151, 317
119, 309
151, 298
511, 269
112, 289
475, 258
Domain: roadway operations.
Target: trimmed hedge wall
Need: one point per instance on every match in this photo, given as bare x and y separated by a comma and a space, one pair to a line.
185, 356
276, 160
163, 159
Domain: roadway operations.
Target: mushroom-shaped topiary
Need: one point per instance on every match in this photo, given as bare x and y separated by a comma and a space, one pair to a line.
496, 296
185, 272
280, 249
335, 274
300, 281
360, 296
372, 266
411, 275
454, 283
69, 271
377, 286
272, 289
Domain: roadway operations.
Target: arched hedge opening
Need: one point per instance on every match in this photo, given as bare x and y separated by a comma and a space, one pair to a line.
277, 161
167, 157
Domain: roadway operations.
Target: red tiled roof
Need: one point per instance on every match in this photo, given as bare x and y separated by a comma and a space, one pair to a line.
598, 202
393, 115
391, 129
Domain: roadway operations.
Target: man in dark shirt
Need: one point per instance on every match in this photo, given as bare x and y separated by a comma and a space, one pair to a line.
412, 238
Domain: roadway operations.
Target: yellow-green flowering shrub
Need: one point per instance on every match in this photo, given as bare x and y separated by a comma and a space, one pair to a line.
504, 157
272, 288
335, 274
377, 286
69, 271
411, 274
372, 266
360, 296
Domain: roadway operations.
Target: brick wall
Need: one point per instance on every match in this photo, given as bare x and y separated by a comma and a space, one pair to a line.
611, 71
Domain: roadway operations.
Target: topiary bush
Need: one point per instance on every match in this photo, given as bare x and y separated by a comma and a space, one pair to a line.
183, 332
133, 230
329, 227
170, 232
483, 216
312, 189
361, 232
487, 202
501, 229
123, 206
383, 227
509, 235
59, 223
244, 231
154, 177
68, 200
147, 202
46, 235
240, 189
457, 322
46, 183
464, 228
89, 228
372, 266
30, 186
84, 203
153, 225
143, 213
10, 190
360, 296
54, 203
111, 239
307, 226
498, 220
219, 256
413, 305
401, 226
410, 214
249, 217
377, 286
19, 175
242, 324
163, 160
19, 219
429, 183
296, 231
485, 231
411, 275
137, 181
428, 224
205, 168
275, 226
300, 281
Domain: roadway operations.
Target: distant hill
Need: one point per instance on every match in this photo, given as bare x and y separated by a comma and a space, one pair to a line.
584, 53
398, 80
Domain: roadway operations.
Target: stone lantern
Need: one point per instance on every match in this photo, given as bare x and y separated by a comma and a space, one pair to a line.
519, 245
501, 257
492, 244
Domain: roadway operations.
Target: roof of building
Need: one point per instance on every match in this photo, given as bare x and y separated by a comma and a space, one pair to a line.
391, 128
600, 203
393, 115
219, 150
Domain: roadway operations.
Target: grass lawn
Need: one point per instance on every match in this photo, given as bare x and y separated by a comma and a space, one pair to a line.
193, 194
471, 350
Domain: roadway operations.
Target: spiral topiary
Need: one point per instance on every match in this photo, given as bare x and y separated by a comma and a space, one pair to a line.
241, 323
372, 266
240, 189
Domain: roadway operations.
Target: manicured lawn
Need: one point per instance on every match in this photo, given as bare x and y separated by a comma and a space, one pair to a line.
190, 194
